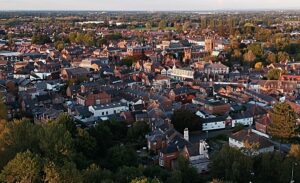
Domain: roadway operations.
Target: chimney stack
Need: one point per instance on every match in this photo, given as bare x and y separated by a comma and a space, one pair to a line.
186, 134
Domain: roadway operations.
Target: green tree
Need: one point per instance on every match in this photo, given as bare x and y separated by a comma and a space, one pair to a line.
283, 57
148, 26
258, 65
3, 110
126, 174
119, 156
189, 174
186, 26
40, 39
156, 171
104, 138
162, 25
283, 126
249, 56
231, 165
59, 45
25, 167
175, 177
145, 180
56, 142
271, 57
138, 131
94, 174
68, 173
274, 74
256, 49
17, 136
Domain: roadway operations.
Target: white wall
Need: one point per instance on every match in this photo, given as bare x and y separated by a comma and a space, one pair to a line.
107, 111
213, 126
244, 121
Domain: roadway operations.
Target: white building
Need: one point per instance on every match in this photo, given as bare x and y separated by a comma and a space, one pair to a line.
214, 123
108, 109
245, 119
182, 73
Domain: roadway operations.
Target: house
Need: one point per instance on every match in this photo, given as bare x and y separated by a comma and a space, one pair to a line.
246, 137
196, 154
139, 50
93, 98
107, 109
74, 74
94, 63
216, 107
161, 82
182, 73
262, 124
215, 123
243, 118
156, 140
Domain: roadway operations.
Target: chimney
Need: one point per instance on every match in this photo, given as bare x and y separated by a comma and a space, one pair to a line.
186, 134
201, 147
249, 132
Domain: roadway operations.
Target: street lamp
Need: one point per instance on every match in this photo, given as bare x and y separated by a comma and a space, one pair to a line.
292, 178
207, 134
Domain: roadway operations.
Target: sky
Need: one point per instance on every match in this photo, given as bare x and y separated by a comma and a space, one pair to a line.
149, 5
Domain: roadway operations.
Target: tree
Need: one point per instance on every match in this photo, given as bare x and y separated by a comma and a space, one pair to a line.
138, 131
182, 119
274, 74
295, 151
283, 57
126, 174
237, 53
40, 39
3, 110
230, 164
175, 177
186, 25
17, 136
94, 174
119, 156
156, 171
68, 173
101, 42
178, 27
162, 25
148, 26
283, 124
25, 167
145, 180
189, 174
104, 138
59, 45
271, 57
256, 49
85, 143
249, 56
258, 65
56, 142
